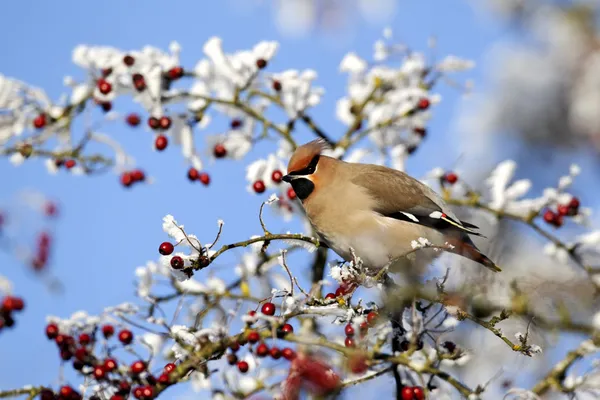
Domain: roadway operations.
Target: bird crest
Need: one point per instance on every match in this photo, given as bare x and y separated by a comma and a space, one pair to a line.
304, 154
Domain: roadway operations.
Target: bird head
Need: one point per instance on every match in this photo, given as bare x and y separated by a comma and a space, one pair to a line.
303, 168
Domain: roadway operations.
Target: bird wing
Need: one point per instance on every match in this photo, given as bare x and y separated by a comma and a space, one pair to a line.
402, 197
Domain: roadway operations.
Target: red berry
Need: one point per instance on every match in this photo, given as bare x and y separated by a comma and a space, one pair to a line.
110, 364
339, 292
364, 327
106, 72
66, 355
288, 354
139, 82
275, 353
420, 131
243, 366
125, 336
175, 73
349, 330
170, 367
108, 331
418, 393
236, 123
99, 372
549, 216
193, 174
372, 317
117, 397
574, 203
40, 121
253, 337
47, 394
330, 296
138, 175
165, 122
276, 86
259, 186
70, 164
235, 346
276, 176
177, 262
128, 60
424, 104
220, 151
133, 119
232, 359
161, 142
268, 309
104, 86
407, 393
85, 339
138, 367
451, 178
106, 106
66, 391
252, 313
291, 194
11, 303
126, 179
153, 123
563, 209
204, 178
124, 387
287, 328
358, 363
81, 353
262, 350
138, 392
166, 248
164, 379
60, 340
350, 342
50, 209
148, 392
261, 63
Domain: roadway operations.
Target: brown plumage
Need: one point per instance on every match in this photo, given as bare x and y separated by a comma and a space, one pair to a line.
374, 210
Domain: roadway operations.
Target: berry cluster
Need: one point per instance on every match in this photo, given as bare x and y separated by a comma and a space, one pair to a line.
342, 291
195, 175
128, 178
556, 218
68, 163
349, 330
10, 305
42, 252
412, 393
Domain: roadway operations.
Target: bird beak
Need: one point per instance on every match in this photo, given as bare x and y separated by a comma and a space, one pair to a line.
288, 178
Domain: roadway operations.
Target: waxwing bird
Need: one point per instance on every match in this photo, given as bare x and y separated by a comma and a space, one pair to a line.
374, 211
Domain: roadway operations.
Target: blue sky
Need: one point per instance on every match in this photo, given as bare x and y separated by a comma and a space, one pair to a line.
104, 231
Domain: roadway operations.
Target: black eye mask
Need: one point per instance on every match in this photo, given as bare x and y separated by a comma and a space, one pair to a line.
303, 187
309, 169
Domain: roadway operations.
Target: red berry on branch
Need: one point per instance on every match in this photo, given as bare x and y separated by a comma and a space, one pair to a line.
110, 364
243, 366
177, 262
166, 248
259, 186
128, 60
126, 179
11, 303
563, 209
574, 203
262, 350
139, 82
268, 308
47, 394
407, 393
288, 354
138, 367
85, 339
52, 331
165, 122
420, 131
287, 328
418, 393
175, 73
232, 359
291, 194
358, 363
276, 86
261, 63
106, 106
124, 387
253, 337
70, 164
372, 317
163, 379
126, 336
148, 392
236, 123
251, 313
133, 119
106, 72
451, 178
350, 342
81, 353
549, 216
423, 104
99, 373
330, 296
66, 355
235, 346
193, 174
108, 331
40, 121
220, 151
349, 330
104, 86
66, 391
277, 176
117, 397
153, 123
161, 142
275, 353
170, 367
50, 209
138, 392
138, 175
204, 178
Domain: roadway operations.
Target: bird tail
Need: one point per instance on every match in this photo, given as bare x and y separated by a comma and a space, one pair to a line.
465, 247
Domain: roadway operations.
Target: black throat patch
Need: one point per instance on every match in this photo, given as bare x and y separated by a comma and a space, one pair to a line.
303, 187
